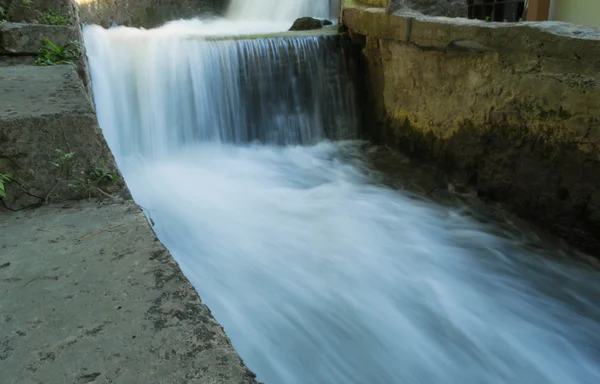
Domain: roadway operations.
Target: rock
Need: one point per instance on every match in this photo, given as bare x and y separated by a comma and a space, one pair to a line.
307, 24
327, 22
447, 8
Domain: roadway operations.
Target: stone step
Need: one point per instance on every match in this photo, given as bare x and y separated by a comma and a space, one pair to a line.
42, 110
26, 39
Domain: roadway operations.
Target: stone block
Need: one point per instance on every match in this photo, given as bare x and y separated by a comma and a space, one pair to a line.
44, 110
26, 39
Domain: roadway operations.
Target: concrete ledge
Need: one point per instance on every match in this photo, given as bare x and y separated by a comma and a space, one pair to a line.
43, 109
325, 31
88, 294
511, 109
26, 39
440, 32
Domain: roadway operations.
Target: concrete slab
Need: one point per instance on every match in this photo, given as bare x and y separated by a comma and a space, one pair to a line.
33, 91
43, 109
26, 39
89, 295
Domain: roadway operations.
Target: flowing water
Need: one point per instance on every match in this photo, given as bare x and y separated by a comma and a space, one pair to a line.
322, 267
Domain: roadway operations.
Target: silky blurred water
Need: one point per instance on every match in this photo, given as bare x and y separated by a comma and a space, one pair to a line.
321, 266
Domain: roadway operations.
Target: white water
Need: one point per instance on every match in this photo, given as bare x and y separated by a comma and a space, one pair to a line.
269, 10
319, 272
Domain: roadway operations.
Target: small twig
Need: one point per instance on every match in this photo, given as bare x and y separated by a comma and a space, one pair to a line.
99, 232
102, 192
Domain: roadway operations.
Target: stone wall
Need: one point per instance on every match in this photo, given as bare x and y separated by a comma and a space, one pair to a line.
144, 13
376, 3
51, 146
513, 110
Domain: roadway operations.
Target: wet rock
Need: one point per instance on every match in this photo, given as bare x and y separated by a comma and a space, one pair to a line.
307, 24
447, 8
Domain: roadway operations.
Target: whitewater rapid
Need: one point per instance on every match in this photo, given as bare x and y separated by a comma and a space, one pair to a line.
322, 267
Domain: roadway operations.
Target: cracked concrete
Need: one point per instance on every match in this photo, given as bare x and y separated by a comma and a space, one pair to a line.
89, 295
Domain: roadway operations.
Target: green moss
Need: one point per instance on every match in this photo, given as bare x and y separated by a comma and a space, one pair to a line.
51, 17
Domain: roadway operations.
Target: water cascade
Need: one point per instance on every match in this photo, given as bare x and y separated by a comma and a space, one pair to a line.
282, 10
320, 268
279, 90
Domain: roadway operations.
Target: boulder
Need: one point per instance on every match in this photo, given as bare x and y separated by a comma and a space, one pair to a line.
307, 24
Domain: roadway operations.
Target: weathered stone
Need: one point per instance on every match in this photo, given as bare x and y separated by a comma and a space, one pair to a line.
26, 39
306, 24
33, 11
43, 109
447, 8
511, 108
145, 13
89, 295
376, 3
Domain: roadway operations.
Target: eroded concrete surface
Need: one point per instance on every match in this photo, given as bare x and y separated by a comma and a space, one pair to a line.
89, 295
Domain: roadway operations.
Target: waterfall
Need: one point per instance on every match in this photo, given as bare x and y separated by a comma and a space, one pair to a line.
164, 90
317, 269
282, 10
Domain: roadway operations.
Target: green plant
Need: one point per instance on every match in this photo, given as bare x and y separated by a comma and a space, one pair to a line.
52, 54
27, 2
4, 179
3, 15
95, 181
64, 157
487, 19
98, 174
51, 17
64, 162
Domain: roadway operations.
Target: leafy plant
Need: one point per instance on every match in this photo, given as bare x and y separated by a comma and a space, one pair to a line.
51, 17
4, 179
487, 18
64, 162
52, 54
3, 15
63, 156
95, 181
97, 174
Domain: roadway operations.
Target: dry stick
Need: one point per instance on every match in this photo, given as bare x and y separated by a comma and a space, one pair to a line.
99, 232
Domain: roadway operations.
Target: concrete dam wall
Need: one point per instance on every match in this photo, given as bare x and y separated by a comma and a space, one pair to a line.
513, 110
